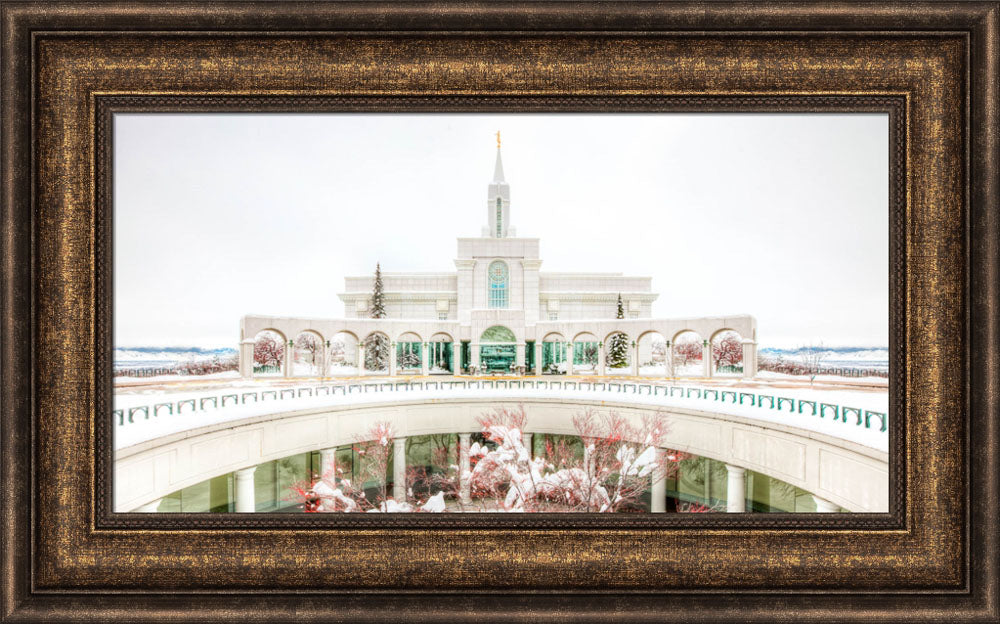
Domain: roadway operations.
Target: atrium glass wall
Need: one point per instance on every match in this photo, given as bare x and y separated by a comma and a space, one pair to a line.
351, 466
439, 357
767, 494
466, 355
497, 358
698, 485
497, 349
553, 355
408, 355
273, 483
529, 355
585, 354
553, 444
215, 495
430, 458
701, 484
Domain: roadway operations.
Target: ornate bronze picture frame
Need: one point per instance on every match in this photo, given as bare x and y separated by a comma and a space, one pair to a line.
68, 67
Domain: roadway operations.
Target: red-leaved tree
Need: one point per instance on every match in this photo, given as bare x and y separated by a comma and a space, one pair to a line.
268, 350
361, 484
621, 458
728, 351
687, 352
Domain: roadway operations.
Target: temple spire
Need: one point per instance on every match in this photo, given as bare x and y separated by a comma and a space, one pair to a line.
498, 202
498, 168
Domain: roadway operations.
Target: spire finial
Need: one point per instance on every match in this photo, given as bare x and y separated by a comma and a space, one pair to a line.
498, 139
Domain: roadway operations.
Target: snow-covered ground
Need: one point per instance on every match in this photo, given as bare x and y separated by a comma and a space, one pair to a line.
144, 381
871, 381
149, 357
146, 429
692, 369
832, 357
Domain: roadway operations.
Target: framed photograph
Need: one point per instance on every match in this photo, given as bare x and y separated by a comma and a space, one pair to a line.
500, 387
632, 312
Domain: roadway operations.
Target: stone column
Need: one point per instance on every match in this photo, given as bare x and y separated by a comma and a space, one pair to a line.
538, 358
706, 358
289, 356
635, 358
601, 370
519, 356
361, 358
465, 469
825, 506
526, 439
749, 358
569, 357
328, 464
246, 358
149, 507
708, 482
245, 490
474, 355
658, 486
423, 357
399, 469
736, 489
324, 363
456, 348
392, 359
668, 361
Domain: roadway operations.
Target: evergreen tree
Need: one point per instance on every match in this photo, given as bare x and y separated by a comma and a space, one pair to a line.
618, 345
377, 346
378, 305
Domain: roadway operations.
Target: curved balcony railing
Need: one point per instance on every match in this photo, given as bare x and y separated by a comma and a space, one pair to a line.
792, 405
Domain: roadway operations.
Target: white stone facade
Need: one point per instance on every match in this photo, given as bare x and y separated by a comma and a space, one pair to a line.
535, 306
535, 295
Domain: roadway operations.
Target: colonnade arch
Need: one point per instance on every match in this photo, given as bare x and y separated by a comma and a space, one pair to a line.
555, 354
547, 347
441, 354
618, 352
308, 354
376, 354
269, 347
652, 355
498, 350
408, 352
342, 353
727, 353
689, 354
586, 357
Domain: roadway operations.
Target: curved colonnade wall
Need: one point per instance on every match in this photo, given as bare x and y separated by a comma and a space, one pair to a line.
846, 473
452, 331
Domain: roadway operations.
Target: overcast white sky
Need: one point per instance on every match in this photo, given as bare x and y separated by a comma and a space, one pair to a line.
781, 216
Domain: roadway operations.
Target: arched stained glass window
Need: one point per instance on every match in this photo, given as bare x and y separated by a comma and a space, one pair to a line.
498, 276
499, 218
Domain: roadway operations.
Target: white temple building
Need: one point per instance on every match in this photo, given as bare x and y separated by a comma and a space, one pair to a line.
498, 312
